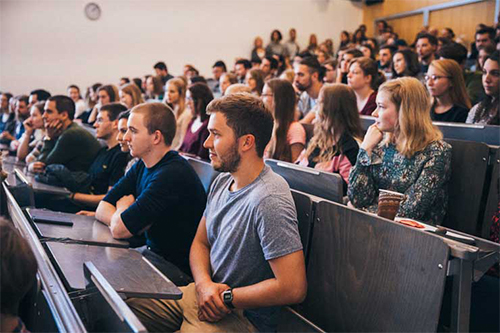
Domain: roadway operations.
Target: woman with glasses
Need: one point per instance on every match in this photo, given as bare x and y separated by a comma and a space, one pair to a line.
487, 111
449, 99
289, 136
334, 146
403, 152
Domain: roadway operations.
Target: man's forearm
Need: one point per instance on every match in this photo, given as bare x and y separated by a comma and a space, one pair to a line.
105, 212
88, 199
199, 260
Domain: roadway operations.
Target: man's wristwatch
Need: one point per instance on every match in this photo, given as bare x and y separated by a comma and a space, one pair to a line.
227, 297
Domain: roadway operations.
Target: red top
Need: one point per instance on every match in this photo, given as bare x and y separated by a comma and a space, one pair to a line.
370, 105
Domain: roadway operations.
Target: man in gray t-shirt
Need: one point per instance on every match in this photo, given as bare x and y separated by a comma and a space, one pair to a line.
246, 257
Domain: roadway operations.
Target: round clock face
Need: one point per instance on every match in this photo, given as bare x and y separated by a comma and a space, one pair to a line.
92, 11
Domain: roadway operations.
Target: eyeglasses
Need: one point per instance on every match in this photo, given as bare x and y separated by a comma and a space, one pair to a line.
435, 77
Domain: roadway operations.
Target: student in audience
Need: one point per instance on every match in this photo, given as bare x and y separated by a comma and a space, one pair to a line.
226, 80
17, 276
218, 69
154, 89
109, 164
346, 58
483, 53
309, 81
74, 94
291, 46
447, 33
198, 96
367, 50
473, 84
330, 71
130, 95
124, 80
426, 46
247, 257
106, 94
312, 47
38, 95
364, 79
487, 111
91, 99
403, 152
138, 83
345, 39
255, 81
385, 55
405, 63
66, 142
241, 67
446, 86
160, 196
275, 47
162, 71
7, 118
175, 97
333, 147
269, 67
122, 130
31, 141
15, 130
289, 136
258, 52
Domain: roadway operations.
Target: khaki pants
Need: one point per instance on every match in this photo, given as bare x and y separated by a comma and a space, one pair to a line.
159, 315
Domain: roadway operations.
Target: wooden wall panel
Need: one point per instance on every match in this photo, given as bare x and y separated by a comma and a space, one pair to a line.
462, 20
407, 27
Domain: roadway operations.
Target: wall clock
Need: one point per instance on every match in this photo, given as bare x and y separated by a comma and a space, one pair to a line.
92, 11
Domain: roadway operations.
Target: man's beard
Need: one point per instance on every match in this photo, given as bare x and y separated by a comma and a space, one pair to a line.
230, 162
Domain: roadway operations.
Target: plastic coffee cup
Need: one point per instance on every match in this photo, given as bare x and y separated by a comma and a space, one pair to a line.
388, 203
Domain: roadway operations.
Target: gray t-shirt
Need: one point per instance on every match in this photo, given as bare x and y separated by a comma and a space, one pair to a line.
248, 227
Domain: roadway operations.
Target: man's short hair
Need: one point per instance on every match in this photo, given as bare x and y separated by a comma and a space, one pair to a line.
245, 62
158, 117
23, 98
304, 54
273, 61
124, 115
160, 65
391, 48
64, 104
220, 63
354, 52
18, 268
41, 95
486, 30
113, 110
314, 66
74, 86
454, 51
246, 114
431, 38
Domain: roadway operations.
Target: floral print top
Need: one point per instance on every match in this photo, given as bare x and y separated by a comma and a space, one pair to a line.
423, 178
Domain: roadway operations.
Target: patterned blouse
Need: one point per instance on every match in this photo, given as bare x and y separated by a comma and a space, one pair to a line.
423, 178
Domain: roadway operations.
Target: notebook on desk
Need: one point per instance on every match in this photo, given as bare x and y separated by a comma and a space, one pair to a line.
50, 217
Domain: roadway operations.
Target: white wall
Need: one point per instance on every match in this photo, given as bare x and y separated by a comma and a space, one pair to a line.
50, 44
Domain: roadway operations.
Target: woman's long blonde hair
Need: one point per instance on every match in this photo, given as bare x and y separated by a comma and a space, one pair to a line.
414, 129
133, 90
181, 87
453, 71
338, 115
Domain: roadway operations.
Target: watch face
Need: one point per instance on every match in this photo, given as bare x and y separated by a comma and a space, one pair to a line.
228, 296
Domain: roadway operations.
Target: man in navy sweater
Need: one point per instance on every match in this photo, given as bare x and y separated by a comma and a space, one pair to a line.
160, 196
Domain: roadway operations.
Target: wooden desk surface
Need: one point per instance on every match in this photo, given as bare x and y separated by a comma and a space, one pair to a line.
85, 229
127, 271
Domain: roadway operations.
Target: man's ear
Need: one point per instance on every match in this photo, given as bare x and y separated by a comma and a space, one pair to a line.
114, 124
247, 142
63, 115
157, 137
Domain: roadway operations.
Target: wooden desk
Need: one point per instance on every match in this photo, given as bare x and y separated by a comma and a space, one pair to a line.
85, 229
11, 162
126, 270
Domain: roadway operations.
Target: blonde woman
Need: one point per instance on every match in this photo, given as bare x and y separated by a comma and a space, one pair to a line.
445, 82
175, 97
403, 152
333, 147
130, 95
